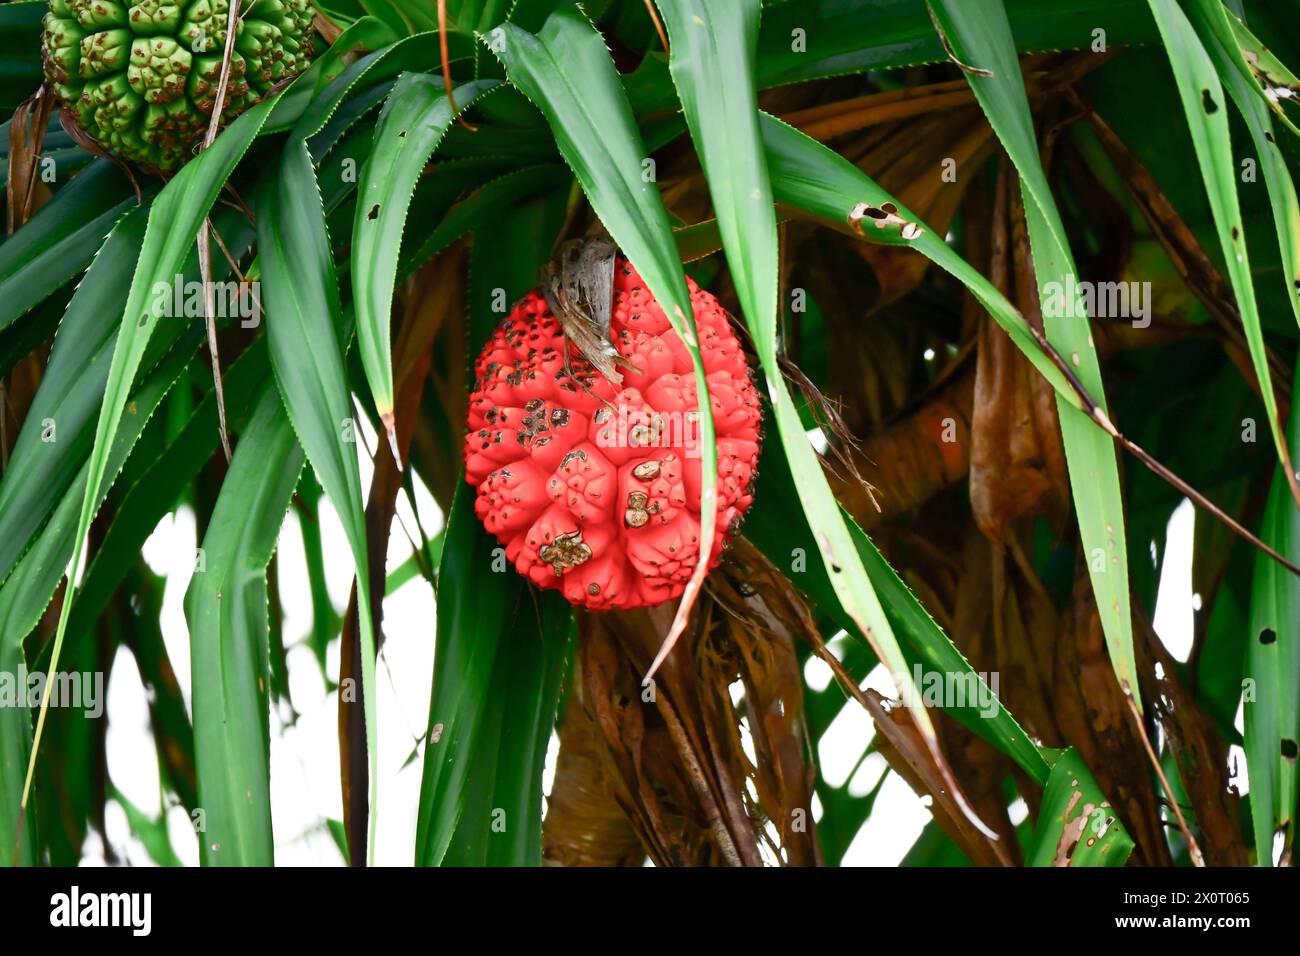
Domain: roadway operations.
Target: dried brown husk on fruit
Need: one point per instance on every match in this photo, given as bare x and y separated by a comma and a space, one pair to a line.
674, 752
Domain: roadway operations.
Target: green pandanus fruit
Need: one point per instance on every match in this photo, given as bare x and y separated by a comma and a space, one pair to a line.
141, 79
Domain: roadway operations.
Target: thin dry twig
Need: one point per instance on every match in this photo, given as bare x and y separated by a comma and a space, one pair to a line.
659, 26
1193, 850
445, 53
1094, 411
205, 231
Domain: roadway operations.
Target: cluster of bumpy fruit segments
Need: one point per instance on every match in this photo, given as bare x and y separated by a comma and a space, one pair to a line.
141, 79
592, 482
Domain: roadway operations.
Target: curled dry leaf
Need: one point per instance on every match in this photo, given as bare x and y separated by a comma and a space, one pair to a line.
1017, 464
1092, 713
907, 753
26, 193
579, 289
674, 752
585, 826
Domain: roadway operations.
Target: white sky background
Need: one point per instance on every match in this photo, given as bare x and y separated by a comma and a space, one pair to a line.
304, 757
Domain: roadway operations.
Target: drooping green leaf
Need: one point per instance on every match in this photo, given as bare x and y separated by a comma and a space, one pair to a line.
1273, 78
1212, 25
934, 848
501, 824
923, 645
152, 833
816, 181
28, 590
17, 829
343, 13
537, 217
317, 94
306, 336
797, 43
59, 428
567, 72
477, 596
1272, 698
403, 17
35, 578
428, 556
226, 609
40, 469
980, 36
1076, 824
174, 221
138, 628
412, 123
61, 239
1204, 105
452, 786
325, 617
158, 485
486, 205
712, 63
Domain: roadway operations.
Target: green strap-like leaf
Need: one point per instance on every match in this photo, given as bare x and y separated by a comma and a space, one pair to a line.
1271, 707
429, 556
980, 36
59, 428
412, 123
816, 181
1213, 25
174, 222
486, 205
69, 396
780, 535
305, 332
61, 238
797, 43
160, 483
1272, 660
1269, 75
484, 609
1204, 105
226, 609
501, 823
28, 591
1077, 826
403, 16
477, 595
17, 829
712, 64
567, 72
810, 178
30, 587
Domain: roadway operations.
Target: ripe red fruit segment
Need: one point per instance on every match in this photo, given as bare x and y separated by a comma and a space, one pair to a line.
594, 487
